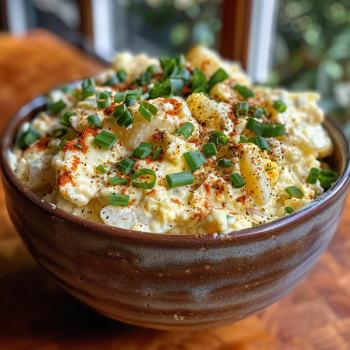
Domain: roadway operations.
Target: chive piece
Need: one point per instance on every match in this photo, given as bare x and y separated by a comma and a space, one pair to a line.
219, 76
121, 74
258, 113
129, 102
164, 89
105, 139
143, 172
199, 80
254, 225
66, 117
29, 137
294, 191
89, 84
77, 146
242, 139
313, 176
112, 81
242, 109
152, 69
66, 89
126, 165
94, 120
179, 179
228, 217
224, 163
327, 178
147, 110
144, 150
237, 180
128, 94
218, 138
126, 119
260, 142
194, 159
180, 60
163, 60
266, 130
116, 180
279, 106
118, 199
170, 68
268, 168
145, 78
185, 130
58, 133
119, 110
182, 73
57, 107
157, 153
288, 210
62, 143
102, 100
177, 85
244, 91
210, 149
200, 90
255, 126
266, 112
101, 169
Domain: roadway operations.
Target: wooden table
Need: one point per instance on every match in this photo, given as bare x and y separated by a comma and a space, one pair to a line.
35, 314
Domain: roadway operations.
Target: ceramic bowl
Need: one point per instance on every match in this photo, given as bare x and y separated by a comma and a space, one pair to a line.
173, 282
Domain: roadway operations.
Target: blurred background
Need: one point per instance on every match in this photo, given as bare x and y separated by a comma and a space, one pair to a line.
299, 44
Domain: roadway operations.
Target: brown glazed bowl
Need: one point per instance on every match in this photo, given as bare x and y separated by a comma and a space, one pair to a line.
173, 282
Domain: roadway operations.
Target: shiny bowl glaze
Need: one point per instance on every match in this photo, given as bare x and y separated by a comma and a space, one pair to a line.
173, 282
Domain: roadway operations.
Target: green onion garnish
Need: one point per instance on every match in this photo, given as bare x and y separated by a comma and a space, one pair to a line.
57, 107
126, 118
199, 80
170, 68
65, 119
116, 180
327, 178
89, 87
62, 143
177, 85
218, 138
126, 165
66, 89
185, 130
29, 137
266, 130
128, 94
77, 146
164, 89
145, 78
224, 163
105, 139
180, 60
210, 149
147, 110
242, 109
260, 142
144, 150
94, 120
242, 139
58, 133
237, 180
179, 179
112, 81
157, 153
313, 176
121, 74
121, 200
219, 76
288, 210
258, 113
244, 91
200, 90
143, 172
228, 217
279, 106
194, 159
294, 191
101, 169
184, 74
152, 69
102, 100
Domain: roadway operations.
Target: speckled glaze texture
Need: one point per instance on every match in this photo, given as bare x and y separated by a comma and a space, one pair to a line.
173, 282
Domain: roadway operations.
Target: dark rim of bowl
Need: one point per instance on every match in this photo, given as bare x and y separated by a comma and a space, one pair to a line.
184, 240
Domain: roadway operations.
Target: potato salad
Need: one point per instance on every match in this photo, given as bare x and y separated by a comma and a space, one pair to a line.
183, 145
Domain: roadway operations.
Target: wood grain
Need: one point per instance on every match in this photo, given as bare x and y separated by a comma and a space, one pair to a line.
35, 314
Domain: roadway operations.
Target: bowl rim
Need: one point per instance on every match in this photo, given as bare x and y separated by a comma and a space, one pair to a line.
184, 240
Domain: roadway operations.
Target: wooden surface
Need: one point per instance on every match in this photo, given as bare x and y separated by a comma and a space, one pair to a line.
35, 314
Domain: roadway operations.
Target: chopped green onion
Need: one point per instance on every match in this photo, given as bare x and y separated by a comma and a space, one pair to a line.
180, 60
228, 217
237, 180
164, 89
143, 172
94, 120
268, 168
58, 133
121, 200
255, 126
224, 163
89, 84
66, 89
260, 142
199, 80
244, 91
116, 180
294, 191
254, 225
200, 90
112, 81
242, 109
266, 130
177, 85
66, 117
57, 107
129, 102
218, 138
121, 74
62, 143
157, 153
258, 113
152, 69
327, 178
179, 179
126, 118
163, 60
145, 78
147, 110
242, 139
102, 100
105, 139
182, 73
119, 110
170, 68
194, 159
101, 169
128, 94
126, 165
77, 146
288, 210
144, 150
279, 106
185, 130
210, 149
219, 76
313, 176
29, 137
